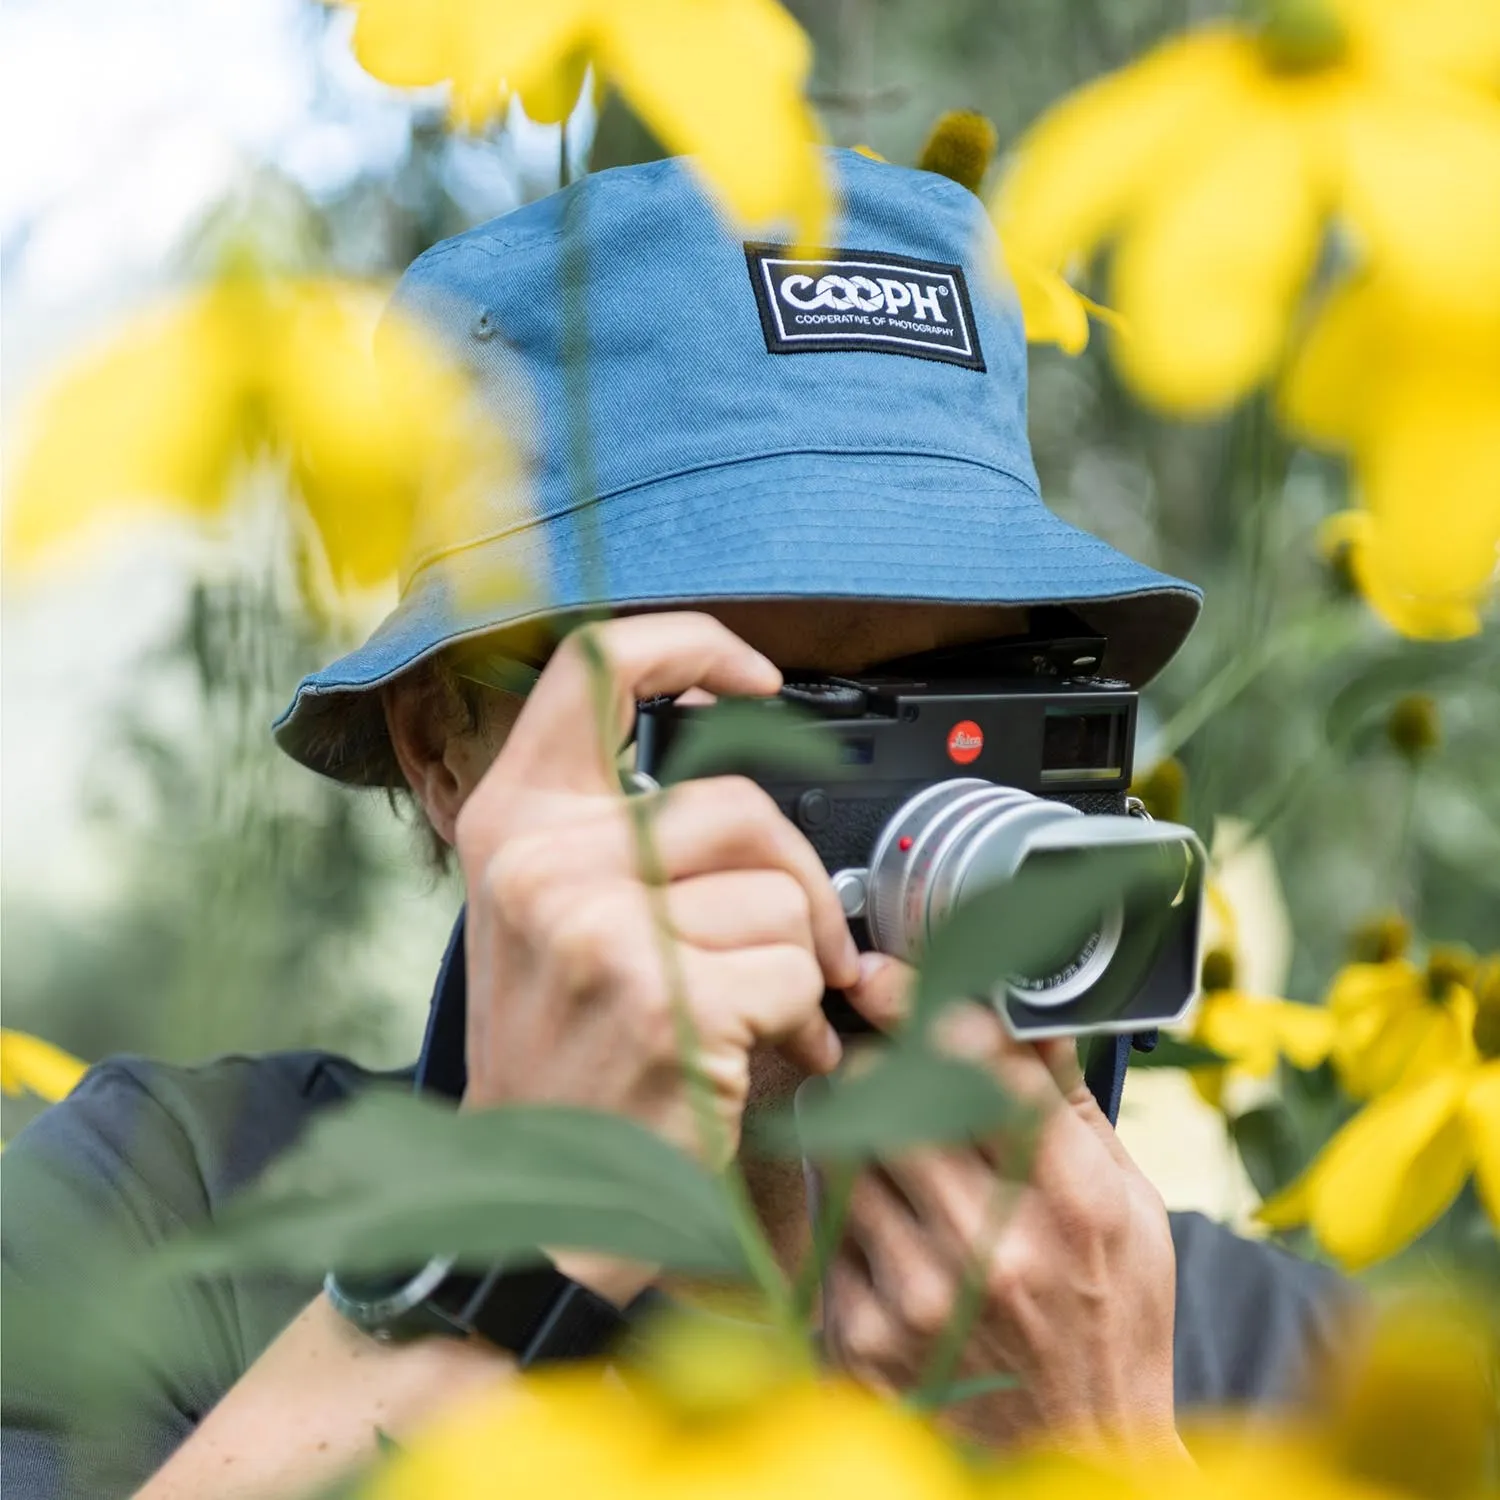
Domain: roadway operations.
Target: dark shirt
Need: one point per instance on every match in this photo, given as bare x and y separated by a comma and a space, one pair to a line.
141, 1150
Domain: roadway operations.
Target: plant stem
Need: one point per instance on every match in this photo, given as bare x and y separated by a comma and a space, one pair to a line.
713, 1140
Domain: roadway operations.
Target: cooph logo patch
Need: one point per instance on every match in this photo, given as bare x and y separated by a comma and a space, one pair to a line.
864, 300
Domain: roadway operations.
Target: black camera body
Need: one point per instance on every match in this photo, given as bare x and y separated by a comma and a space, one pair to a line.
957, 771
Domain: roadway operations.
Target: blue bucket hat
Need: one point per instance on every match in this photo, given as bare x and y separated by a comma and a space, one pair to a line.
851, 426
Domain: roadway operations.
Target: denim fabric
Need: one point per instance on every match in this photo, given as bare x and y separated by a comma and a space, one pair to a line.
708, 467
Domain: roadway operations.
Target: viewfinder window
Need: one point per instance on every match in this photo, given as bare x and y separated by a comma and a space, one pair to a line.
1082, 746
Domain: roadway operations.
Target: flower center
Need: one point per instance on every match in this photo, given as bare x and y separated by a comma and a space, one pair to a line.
1380, 940
1487, 1010
1299, 36
1447, 967
1218, 969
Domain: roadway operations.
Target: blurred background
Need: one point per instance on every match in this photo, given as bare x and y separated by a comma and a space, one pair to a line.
172, 886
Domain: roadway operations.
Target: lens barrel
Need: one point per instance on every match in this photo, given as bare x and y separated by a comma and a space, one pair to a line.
962, 837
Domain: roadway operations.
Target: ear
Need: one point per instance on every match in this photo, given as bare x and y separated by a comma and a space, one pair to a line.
440, 755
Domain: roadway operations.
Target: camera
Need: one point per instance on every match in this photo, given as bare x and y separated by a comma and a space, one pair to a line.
997, 774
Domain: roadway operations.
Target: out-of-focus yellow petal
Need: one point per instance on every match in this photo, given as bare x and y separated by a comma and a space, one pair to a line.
1431, 479
723, 83
1292, 1205
1421, 188
1208, 275
28, 1064
550, 99
1482, 1111
1391, 1171
159, 415
378, 430
1442, 618
1457, 39
1255, 1030
484, 50
1051, 310
806, 1438
1083, 168
1324, 396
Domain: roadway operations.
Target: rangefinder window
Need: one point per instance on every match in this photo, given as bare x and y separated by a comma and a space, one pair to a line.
1082, 746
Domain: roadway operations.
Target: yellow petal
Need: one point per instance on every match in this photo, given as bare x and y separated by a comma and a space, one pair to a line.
1482, 1111
1292, 1206
1391, 1171
1455, 39
722, 82
485, 51
1423, 618
1324, 396
1304, 1033
1082, 169
1421, 188
1431, 479
375, 436
158, 415
1051, 310
550, 99
809, 1438
27, 1063
1207, 276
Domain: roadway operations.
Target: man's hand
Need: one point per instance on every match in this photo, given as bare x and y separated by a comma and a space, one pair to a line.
1076, 1257
570, 980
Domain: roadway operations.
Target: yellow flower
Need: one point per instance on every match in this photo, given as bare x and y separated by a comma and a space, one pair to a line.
1254, 1032
1414, 400
1215, 163
1391, 1025
28, 1064
719, 80
717, 1418
176, 405
1394, 1169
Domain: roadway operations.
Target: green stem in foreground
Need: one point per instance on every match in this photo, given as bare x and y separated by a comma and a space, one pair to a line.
713, 1138
713, 1141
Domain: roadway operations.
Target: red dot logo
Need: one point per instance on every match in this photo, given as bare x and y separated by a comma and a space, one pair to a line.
965, 741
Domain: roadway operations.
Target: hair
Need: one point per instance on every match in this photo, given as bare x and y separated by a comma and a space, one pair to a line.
350, 737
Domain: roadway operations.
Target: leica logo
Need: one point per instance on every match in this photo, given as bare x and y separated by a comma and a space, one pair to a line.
965, 741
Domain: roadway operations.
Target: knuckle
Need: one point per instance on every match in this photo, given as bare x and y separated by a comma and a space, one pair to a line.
513, 879
745, 802
589, 939
926, 1304
1007, 1278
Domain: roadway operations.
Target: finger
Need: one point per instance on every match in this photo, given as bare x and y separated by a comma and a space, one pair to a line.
771, 994
882, 992
740, 909
859, 1329
703, 827
910, 1273
559, 741
976, 1034
956, 1195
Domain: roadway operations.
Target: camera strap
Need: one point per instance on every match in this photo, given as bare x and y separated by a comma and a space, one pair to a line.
441, 1068
1104, 1072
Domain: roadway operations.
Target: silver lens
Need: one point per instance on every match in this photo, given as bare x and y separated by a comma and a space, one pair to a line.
959, 837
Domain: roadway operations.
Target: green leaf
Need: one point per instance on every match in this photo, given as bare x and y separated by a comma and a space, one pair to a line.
962, 1390
393, 1179
910, 1096
761, 736
1267, 1143
1173, 1052
1023, 926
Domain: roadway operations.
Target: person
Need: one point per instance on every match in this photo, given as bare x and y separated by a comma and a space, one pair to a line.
788, 465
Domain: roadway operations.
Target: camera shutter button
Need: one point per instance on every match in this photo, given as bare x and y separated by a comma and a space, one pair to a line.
813, 808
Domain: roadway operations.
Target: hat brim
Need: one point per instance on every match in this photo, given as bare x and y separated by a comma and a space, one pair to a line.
880, 527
